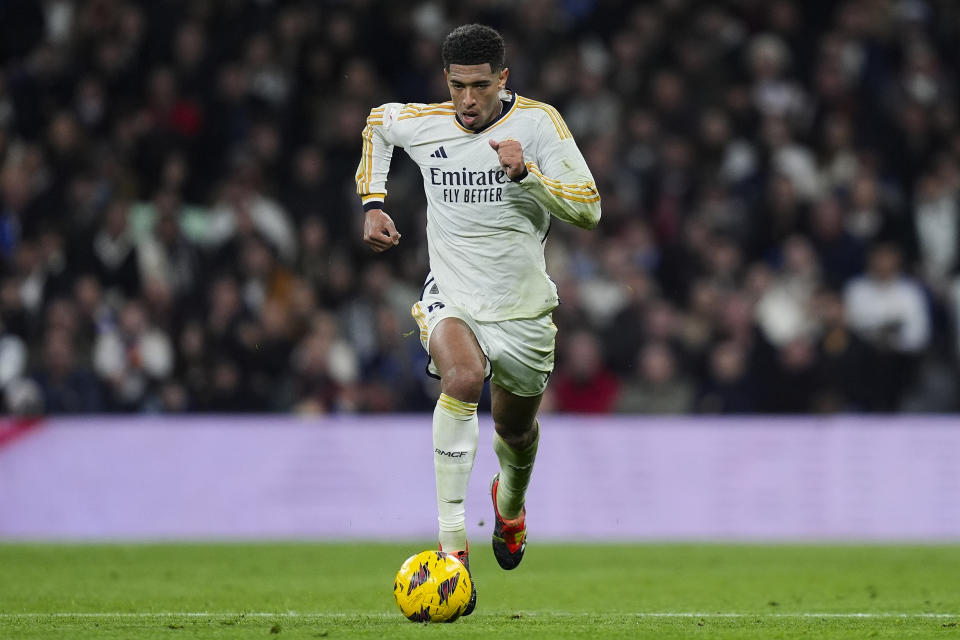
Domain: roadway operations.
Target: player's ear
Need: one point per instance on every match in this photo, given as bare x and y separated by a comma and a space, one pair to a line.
502, 81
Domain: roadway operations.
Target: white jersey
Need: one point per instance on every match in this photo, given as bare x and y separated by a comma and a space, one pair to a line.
485, 233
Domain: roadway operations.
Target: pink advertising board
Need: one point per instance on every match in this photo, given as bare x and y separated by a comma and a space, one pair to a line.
226, 477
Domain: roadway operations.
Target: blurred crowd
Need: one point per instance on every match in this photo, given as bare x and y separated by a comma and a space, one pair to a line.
179, 229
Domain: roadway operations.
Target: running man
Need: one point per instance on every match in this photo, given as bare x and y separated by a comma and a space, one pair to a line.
496, 166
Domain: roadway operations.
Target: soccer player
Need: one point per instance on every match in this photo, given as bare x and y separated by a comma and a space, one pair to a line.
495, 167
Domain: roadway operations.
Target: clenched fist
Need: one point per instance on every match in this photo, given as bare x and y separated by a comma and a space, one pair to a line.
379, 231
510, 153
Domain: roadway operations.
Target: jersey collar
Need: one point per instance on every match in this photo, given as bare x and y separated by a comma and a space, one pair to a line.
509, 101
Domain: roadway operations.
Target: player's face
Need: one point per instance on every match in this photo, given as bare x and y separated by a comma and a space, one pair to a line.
474, 89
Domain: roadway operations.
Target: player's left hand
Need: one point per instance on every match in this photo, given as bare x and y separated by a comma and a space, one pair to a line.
510, 153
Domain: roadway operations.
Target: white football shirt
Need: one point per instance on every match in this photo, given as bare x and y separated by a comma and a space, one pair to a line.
485, 234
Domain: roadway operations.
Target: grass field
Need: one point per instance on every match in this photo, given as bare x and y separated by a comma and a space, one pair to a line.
344, 591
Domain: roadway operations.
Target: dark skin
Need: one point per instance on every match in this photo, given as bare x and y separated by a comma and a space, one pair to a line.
474, 90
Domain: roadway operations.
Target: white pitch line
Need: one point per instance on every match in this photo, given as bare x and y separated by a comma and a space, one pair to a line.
562, 614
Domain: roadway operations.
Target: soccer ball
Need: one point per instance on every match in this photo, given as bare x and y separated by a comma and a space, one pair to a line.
432, 586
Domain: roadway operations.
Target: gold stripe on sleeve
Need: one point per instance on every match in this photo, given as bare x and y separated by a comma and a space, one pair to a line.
561, 126
432, 112
578, 192
567, 196
558, 119
419, 108
365, 169
368, 156
362, 166
366, 162
585, 188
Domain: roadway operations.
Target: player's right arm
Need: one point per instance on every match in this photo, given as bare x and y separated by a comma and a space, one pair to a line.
556, 174
381, 134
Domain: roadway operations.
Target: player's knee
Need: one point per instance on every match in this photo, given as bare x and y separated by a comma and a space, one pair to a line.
463, 382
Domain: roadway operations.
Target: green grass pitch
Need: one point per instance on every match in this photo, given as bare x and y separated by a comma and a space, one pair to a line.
306, 590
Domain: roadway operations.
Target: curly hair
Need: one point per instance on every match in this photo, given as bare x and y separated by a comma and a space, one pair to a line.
474, 44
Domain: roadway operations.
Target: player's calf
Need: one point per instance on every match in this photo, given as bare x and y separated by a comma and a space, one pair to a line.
455, 435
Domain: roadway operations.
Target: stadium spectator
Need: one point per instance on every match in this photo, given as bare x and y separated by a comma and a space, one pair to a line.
657, 387
112, 254
845, 381
792, 386
133, 358
937, 220
325, 369
727, 387
65, 385
243, 210
889, 310
841, 256
582, 382
13, 358
166, 254
783, 310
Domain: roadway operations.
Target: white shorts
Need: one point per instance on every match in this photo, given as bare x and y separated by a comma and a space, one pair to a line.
519, 352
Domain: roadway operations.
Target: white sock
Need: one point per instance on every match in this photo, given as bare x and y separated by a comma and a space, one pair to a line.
515, 469
456, 431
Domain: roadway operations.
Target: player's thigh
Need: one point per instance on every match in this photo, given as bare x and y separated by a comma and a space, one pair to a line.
458, 358
513, 415
453, 342
522, 354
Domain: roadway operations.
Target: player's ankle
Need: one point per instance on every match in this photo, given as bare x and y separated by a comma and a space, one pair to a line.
453, 541
453, 552
511, 518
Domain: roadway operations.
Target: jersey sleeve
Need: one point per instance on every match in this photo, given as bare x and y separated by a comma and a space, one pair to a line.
382, 133
560, 178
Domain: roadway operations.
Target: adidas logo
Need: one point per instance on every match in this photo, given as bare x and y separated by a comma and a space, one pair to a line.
439, 153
